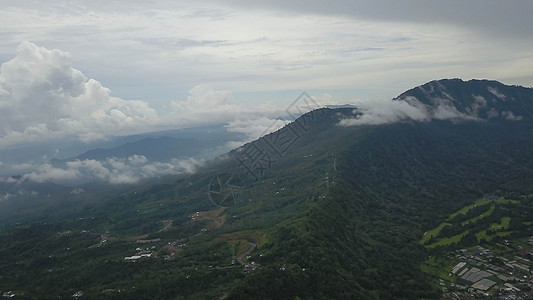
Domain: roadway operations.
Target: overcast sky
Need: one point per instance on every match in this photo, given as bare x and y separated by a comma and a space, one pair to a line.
91, 68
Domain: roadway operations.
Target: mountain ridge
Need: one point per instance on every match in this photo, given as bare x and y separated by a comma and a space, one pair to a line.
476, 99
153, 148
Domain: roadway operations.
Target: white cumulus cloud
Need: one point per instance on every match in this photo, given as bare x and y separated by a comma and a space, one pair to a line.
43, 97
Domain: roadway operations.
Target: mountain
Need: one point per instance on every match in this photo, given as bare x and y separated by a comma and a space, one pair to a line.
158, 149
199, 142
314, 210
341, 106
476, 99
36, 185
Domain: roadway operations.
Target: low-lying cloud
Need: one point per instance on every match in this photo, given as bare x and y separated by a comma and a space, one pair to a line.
409, 108
112, 170
374, 113
253, 128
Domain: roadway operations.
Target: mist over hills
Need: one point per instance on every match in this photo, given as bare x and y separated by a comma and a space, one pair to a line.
47, 179
205, 138
202, 142
334, 204
449, 99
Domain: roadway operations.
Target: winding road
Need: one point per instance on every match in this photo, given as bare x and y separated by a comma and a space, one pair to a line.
239, 259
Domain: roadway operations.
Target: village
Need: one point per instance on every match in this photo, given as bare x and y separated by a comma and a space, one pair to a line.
480, 273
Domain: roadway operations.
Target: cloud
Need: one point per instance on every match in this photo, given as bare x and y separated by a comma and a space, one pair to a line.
113, 170
408, 108
497, 93
47, 172
508, 115
504, 18
22, 166
374, 113
254, 126
5, 196
153, 50
205, 105
253, 129
43, 97
10, 179
77, 191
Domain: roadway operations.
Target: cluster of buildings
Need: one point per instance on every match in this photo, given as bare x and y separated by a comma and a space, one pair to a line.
491, 197
195, 216
8, 294
252, 266
140, 253
77, 294
481, 273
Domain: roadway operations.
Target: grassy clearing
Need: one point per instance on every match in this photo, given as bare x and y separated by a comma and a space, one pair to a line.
483, 235
216, 217
465, 209
483, 215
433, 232
484, 230
448, 241
504, 224
241, 247
503, 233
257, 237
505, 201
439, 266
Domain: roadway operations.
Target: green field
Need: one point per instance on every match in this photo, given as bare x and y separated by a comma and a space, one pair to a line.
504, 201
439, 266
433, 233
448, 241
483, 215
504, 224
480, 218
465, 209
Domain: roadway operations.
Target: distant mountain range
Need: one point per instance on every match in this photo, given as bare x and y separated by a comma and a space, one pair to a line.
158, 149
164, 148
17, 193
200, 142
341, 106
